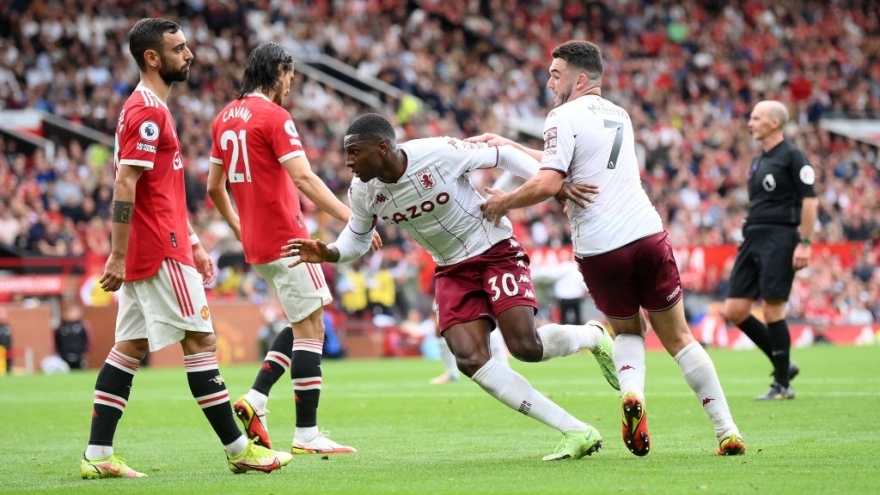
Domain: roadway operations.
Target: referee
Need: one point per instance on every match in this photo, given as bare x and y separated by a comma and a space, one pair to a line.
777, 231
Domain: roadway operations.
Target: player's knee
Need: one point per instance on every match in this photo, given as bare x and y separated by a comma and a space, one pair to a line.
135, 349
526, 350
198, 343
471, 363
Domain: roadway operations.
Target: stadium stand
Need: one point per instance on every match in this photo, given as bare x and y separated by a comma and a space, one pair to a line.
689, 71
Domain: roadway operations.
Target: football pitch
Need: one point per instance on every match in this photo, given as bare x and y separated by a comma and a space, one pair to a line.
418, 438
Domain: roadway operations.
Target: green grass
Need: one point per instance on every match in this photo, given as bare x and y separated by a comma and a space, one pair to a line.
417, 438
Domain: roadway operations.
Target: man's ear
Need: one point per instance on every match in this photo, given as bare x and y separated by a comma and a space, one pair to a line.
152, 58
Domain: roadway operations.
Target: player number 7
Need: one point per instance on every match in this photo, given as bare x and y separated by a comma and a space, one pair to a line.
618, 139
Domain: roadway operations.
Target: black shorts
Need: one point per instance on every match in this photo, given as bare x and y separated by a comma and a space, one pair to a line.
763, 266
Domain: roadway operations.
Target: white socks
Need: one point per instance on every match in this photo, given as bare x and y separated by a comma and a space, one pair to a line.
237, 447
98, 451
257, 400
513, 390
565, 340
700, 375
629, 361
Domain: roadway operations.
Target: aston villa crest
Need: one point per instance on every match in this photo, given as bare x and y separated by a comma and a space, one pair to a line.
426, 180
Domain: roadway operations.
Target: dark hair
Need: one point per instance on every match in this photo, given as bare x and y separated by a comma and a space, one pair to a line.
261, 72
581, 55
372, 126
147, 35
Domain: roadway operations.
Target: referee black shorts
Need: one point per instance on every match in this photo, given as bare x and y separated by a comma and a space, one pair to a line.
763, 267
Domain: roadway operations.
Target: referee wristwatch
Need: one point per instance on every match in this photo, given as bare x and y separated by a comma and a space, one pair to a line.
806, 242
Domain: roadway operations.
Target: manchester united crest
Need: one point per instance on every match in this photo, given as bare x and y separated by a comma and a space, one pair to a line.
426, 180
205, 313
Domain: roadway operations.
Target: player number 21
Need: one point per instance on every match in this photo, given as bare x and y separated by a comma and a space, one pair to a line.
229, 141
508, 285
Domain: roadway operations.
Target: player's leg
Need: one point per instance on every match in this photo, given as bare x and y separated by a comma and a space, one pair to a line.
469, 343
613, 282
177, 296
662, 297
507, 282
303, 293
251, 408
307, 381
112, 389
465, 319
699, 373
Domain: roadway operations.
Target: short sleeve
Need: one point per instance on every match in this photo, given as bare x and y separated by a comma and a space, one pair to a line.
804, 174
139, 135
558, 143
285, 139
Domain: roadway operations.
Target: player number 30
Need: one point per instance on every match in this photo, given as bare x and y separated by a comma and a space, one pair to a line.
508, 285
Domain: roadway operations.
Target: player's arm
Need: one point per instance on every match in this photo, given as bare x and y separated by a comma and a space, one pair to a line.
496, 140
122, 209
314, 188
350, 245
804, 179
201, 258
809, 213
220, 197
354, 241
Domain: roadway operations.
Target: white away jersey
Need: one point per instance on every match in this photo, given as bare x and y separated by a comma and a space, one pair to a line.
434, 200
591, 141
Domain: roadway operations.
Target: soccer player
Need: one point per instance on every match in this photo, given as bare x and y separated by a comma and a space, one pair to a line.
782, 211
619, 240
159, 264
258, 151
482, 277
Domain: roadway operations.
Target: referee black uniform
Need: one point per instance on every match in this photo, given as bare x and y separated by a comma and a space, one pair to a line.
779, 180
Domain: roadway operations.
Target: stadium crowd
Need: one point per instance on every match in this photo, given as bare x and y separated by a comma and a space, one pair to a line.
689, 72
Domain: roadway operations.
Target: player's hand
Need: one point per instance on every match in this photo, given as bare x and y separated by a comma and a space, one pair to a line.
579, 194
493, 208
114, 273
204, 264
801, 257
307, 250
490, 139
376, 243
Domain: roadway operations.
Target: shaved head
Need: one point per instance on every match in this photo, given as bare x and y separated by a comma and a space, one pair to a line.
774, 110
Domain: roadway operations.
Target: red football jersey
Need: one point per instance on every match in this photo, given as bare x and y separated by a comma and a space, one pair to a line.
252, 138
145, 137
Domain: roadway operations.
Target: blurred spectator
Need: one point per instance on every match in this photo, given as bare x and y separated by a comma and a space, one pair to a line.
332, 345
382, 289
351, 285
72, 338
569, 291
690, 72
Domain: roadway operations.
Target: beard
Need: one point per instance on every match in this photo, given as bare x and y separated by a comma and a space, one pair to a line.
563, 97
172, 75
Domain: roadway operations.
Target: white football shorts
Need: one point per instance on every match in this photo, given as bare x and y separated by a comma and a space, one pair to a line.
161, 308
301, 289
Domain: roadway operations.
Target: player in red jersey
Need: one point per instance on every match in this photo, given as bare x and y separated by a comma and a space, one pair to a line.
159, 264
258, 151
